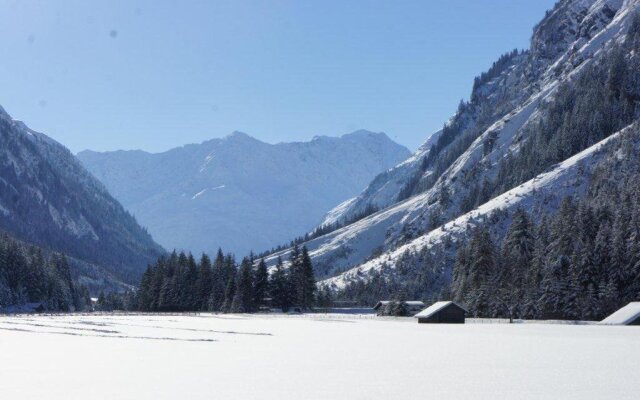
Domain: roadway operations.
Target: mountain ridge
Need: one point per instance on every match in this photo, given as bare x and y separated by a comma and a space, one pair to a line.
246, 187
459, 169
48, 199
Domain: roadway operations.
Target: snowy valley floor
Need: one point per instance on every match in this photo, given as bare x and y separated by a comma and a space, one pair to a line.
310, 357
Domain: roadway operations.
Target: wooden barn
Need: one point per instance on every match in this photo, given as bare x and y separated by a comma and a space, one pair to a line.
442, 312
627, 315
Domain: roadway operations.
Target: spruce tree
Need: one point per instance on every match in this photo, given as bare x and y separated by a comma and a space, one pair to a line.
308, 280
230, 292
280, 287
204, 283
261, 283
243, 296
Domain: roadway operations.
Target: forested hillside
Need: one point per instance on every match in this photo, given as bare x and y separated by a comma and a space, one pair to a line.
533, 135
47, 198
31, 281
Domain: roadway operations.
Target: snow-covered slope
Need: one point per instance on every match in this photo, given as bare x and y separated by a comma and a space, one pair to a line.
238, 192
543, 193
47, 198
384, 188
506, 101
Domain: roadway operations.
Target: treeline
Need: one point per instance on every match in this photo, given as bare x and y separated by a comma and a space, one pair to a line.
27, 276
582, 264
471, 119
503, 62
180, 283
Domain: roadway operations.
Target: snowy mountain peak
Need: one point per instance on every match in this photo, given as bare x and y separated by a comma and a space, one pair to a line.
238, 192
363, 133
237, 136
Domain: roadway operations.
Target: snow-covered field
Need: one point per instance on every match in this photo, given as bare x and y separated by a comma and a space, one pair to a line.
311, 357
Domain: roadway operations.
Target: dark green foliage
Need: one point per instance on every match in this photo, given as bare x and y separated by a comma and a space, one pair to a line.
395, 308
571, 266
280, 287
178, 283
204, 283
243, 296
127, 301
27, 277
261, 288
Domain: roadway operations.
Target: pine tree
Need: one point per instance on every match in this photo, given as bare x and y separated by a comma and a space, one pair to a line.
219, 283
243, 296
482, 271
296, 276
308, 283
280, 287
229, 293
204, 284
517, 253
261, 283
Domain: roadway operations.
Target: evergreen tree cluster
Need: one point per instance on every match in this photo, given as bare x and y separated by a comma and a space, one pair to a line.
179, 283
496, 69
603, 99
27, 276
582, 263
423, 276
579, 262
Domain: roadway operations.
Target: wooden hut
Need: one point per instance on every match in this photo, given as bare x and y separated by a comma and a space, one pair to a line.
627, 315
442, 312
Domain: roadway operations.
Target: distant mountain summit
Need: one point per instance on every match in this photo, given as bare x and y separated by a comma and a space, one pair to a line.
238, 192
47, 198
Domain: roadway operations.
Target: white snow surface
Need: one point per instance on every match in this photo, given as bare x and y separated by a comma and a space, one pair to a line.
383, 190
310, 357
624, 315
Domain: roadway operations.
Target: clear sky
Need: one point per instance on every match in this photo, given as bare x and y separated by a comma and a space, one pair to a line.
152, 75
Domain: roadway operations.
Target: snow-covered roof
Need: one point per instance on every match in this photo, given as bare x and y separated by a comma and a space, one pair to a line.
434, 308
623, 316
411, 303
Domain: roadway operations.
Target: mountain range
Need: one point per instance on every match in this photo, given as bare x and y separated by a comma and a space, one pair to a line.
526, 203
240, 193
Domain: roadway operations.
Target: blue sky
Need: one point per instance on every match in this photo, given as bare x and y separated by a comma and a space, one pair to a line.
153, 75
